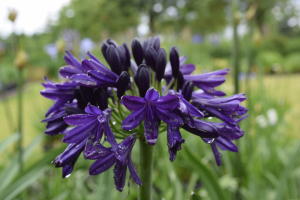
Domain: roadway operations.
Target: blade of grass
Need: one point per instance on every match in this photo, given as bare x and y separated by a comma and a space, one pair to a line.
207, 178
281, 187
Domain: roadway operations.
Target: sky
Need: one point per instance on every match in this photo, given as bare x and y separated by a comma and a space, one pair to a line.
32, 15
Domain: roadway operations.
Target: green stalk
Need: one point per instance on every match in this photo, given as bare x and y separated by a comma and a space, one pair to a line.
169, 86
120, 109
20, 115
145, 170
176, 85
153, 78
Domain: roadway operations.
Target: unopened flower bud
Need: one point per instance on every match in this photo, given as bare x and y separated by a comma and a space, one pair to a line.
174, 59
113, 59
137, 51
187, 90
121, 53
112, 42
104, 48
156, 43
21, 59
150, 57
127, 57
87, 95
12, 15
180, 80
122, 83
142, 79
101, 98
160, 67
146, 44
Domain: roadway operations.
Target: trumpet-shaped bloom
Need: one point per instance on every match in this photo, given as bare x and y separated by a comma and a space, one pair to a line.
121, 158
207, 82
152, 109
95, 123
223, 108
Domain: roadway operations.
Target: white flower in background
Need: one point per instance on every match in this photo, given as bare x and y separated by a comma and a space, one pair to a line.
262, 121
272, 116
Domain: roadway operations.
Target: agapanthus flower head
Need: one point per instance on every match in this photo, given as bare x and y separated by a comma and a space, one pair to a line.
92, 107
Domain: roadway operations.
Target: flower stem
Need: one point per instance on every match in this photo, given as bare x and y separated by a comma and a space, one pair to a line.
169, 86
145, 170
20, 115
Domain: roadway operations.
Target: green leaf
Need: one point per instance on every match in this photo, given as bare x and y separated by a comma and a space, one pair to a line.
28, 177
281, 187
22, 183
8, 141
12, 169
207, 178
61, 196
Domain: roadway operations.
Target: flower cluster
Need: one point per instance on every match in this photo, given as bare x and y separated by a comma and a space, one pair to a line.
89, 108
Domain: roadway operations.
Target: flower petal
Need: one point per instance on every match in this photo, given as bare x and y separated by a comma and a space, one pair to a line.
226, 144
151, 126
102, 164
216, 153
78, 119
93, 110
68, 71
152, 94
187, 69
134, 119
110, 137
169, 117
133, 103
84, 79
168, 102
79, 133
103, 79
133, 173
192, 110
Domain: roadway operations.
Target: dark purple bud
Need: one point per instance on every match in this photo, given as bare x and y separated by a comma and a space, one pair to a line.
180, 80
127, 63
113, 59
150, 57
80, 102
121, 53
70, 110
112, 42
174, 59
156, 43
122, 83
187, 90
142, 79
104, 48
137, 51
87, 95
101, 98
147, 43
161, 62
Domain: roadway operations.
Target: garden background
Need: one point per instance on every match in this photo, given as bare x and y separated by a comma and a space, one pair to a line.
260, 39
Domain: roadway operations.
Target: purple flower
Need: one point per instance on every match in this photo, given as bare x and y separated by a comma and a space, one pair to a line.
95, 123
185, 69
60, 93
174, 141
69, 157
207, 82
224, 142
55, 121
75, 67
121, 158
223, 108
151, 108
